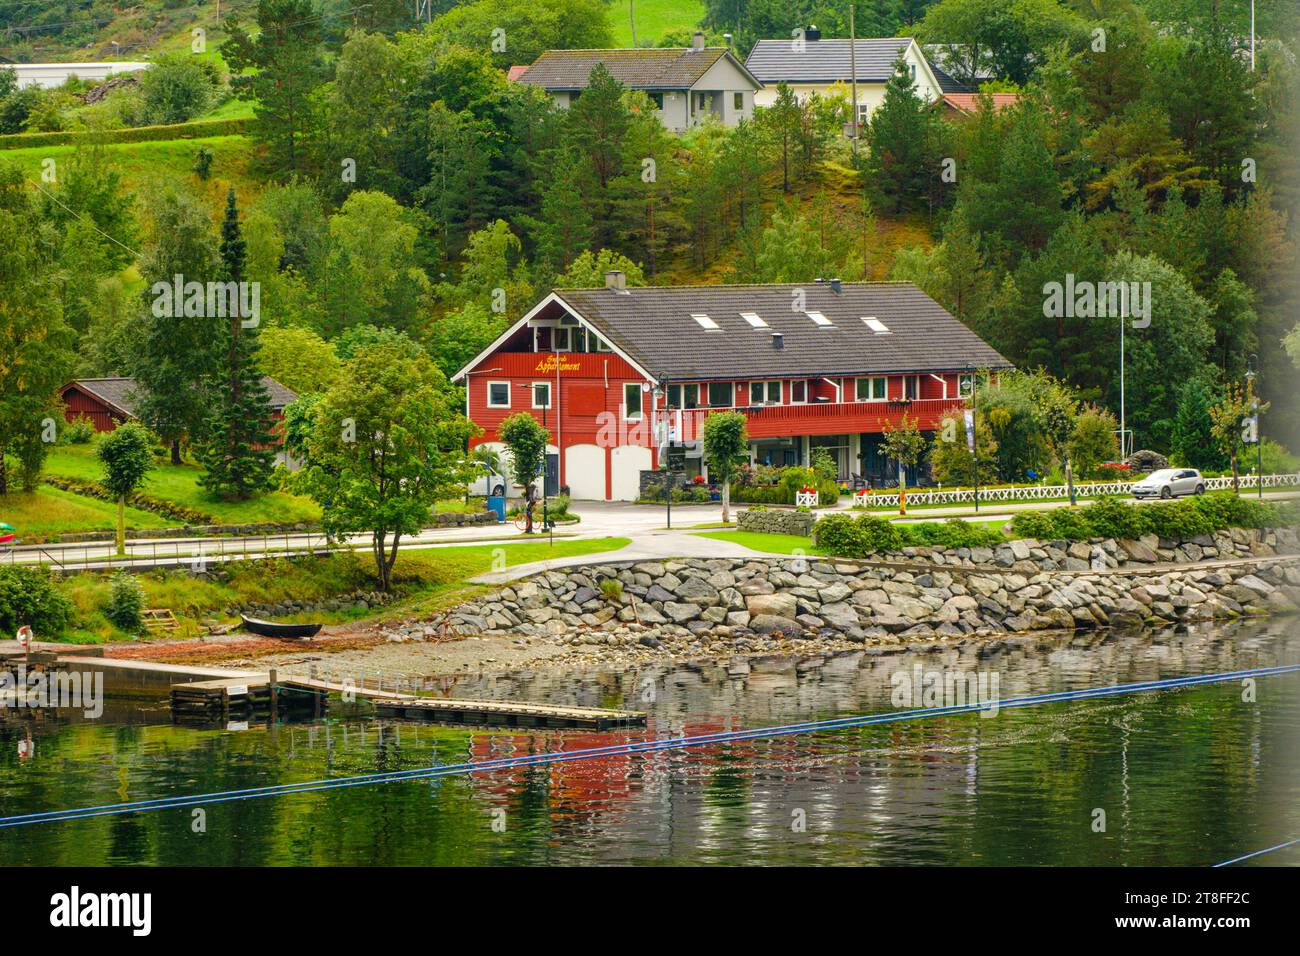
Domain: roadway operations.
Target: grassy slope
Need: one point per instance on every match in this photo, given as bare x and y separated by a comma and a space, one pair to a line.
427, 580
50, 511
654, 18
180, 483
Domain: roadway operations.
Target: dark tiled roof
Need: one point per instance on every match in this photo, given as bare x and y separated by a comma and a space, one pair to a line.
655, 328
825, 61
946, 82
117, 392
120, 392
649, 69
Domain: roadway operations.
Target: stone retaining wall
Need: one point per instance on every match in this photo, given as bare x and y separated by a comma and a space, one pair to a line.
750, 601
777, 522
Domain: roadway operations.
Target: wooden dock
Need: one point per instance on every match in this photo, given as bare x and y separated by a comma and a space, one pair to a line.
510, 713
218, 699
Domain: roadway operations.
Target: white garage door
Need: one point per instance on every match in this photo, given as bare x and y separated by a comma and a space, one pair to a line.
584, 472
628, 463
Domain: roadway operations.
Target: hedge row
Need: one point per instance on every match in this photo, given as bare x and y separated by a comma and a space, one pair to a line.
159, 506
1185, 518
782, 494
844, 536
136, 134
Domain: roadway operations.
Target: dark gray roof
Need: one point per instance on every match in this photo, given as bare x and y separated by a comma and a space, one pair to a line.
120, 392
825, 61
117, 392
648, 69
947, 83
655, 328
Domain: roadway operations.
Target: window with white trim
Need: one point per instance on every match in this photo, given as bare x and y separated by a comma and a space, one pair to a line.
498, 394
799, 392
873, 389
541, 394
632, 401
721, 394
765, 393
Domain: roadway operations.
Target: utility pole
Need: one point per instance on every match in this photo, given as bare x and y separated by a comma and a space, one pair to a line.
1123, 432
1252, 36
853, 75
631, 15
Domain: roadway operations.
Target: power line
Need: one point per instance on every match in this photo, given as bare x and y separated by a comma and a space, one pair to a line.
649, 746
77, 215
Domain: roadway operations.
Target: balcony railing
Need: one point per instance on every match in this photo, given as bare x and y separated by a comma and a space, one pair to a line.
816, 418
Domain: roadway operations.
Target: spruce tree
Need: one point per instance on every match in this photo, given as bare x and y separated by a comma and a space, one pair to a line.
238, 451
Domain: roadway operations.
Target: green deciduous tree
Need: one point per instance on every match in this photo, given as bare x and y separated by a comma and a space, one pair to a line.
127, 456
385, 444
35, 342
904, 444
526, 440
726, 448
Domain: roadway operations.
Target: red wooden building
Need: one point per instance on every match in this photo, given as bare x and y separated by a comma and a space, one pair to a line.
108, 402
620, 375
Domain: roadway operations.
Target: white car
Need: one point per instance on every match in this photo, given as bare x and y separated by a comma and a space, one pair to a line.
1170, 483
488, 482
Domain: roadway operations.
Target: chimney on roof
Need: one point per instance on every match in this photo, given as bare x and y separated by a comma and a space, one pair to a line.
615, 279
836, 286
778, 340
812, 33
697, 41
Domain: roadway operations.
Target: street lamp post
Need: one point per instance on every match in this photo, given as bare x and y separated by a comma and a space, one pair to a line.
1259, 438
974, 434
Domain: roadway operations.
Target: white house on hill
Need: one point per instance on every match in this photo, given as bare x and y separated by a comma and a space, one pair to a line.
48, 75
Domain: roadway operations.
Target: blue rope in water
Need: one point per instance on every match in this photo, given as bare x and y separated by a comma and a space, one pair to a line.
1238, 859
649, 746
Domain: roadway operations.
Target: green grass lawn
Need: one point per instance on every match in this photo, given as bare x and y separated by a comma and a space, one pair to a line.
180, 483
49, 511
654, 18
139, 162
759, 541
425, 581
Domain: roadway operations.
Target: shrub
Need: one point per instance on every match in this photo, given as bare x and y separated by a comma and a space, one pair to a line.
1188, 518
611, 589
80, 431
126, 602
836, 534
28, 596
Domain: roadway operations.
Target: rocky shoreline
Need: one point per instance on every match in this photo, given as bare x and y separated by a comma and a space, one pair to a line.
693, 608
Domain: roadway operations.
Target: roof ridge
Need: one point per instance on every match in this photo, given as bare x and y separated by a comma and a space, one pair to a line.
749, 285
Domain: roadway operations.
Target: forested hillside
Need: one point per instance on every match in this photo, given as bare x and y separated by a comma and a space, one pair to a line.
393, 184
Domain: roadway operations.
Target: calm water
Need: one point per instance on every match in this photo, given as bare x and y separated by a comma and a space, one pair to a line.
1185, 777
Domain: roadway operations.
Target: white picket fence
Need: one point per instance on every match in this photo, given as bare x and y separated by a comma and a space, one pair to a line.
1087, 489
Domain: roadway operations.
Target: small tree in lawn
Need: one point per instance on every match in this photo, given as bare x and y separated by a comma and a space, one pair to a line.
125, 453
527, 440
905, 444
726, 448
1229, 423
386, 442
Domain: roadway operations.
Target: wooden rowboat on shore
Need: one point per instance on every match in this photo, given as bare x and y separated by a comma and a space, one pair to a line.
278, 629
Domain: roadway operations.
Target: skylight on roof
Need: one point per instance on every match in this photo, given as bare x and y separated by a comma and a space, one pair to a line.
875, 325
705, 322
754, 319
819, 319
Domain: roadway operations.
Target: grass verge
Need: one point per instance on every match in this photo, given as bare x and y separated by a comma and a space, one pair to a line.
425, 581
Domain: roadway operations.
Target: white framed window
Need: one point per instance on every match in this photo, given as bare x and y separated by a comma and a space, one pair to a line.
872, 389
799, 392
632, 401
498, 394
541, 394
738, 100
705, 322
596, 343
765, 393
819, 319
721, 394
754, 319
912, 387
562, 340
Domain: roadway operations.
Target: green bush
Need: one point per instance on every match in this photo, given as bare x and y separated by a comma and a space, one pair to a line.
80, 431
1186, 518
125, 602
847, 537
140, 134
29, 596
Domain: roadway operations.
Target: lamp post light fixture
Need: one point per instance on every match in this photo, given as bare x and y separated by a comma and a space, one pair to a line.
1259, 438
